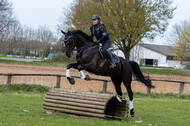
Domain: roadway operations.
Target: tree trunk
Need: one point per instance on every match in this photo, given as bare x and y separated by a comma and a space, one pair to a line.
126, 52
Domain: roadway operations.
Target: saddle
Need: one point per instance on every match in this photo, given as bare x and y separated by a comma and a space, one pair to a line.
104, 56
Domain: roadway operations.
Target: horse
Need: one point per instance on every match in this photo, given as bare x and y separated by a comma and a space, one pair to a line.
88, 58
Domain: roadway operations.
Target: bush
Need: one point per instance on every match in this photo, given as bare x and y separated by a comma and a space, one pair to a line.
188, 66
10, 53
63, 58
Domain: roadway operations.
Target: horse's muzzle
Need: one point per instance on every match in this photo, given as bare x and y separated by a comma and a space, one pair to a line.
68, 55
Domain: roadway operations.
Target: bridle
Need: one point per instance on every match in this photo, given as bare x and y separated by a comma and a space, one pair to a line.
66, 40
79, 49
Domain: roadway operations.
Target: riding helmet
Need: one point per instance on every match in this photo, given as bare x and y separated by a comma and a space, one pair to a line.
95, 16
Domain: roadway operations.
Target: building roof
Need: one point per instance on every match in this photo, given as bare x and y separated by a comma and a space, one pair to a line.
162, 49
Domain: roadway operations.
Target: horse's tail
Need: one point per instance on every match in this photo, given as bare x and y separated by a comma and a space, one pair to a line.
137, 72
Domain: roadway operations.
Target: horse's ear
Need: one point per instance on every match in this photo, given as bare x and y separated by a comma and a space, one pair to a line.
69, 33
63, 32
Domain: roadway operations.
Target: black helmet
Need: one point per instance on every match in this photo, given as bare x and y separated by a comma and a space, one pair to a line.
95, 16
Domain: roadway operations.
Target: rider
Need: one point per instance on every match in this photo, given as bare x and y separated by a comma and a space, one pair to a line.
99, 31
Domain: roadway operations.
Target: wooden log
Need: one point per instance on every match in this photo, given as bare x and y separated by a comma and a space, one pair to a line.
77, 97
9, 78
58, 83
85, 103
105, 86
97, 95
100, 95
83, 108
94, 95
75, 112
75, 104
181, 88
148, 90
75, 100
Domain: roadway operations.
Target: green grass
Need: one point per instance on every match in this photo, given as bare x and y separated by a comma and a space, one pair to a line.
166, 72
35, 63
24, 88
24, 108
156, 66
161, 96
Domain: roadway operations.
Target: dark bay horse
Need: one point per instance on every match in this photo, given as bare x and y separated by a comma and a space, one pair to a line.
89, 59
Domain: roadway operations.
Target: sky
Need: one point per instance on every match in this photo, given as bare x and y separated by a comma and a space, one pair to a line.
180, 14
35, 13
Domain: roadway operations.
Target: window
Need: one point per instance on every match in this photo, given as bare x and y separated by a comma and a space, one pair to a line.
170, 57
148, 61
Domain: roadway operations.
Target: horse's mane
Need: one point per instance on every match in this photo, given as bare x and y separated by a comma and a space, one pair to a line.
82, 34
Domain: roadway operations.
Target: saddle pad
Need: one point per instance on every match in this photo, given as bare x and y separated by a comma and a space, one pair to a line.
115, 58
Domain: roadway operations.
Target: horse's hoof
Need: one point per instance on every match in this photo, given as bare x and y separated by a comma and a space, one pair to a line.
71, 80
87, 78
123, 100
119, 98
132, 113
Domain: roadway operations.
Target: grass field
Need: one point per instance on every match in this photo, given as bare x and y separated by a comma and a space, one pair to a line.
20, 108
35, 63
176, 72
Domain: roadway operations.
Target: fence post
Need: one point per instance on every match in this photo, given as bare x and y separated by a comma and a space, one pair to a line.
9, 78
148, 90
105, 86
181, 88
58, 82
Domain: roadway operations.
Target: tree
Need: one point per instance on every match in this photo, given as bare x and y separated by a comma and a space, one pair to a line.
182, 47
177, 31
46, 37
25, 41
127, 21
22, 40
6, 15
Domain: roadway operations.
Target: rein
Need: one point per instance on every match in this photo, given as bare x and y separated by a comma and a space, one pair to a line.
82, 48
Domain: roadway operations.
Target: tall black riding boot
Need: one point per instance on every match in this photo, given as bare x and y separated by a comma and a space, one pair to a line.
108, 53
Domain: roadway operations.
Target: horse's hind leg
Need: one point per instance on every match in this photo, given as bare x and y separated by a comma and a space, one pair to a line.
126, 75
117, 83
127, 83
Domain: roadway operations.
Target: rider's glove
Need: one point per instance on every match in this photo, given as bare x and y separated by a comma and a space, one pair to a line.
98, 41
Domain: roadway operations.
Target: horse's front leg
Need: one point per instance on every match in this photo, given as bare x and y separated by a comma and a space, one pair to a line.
82, 75
68, 73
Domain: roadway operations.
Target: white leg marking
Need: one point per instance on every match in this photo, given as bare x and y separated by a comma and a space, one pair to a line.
82, 75
118, 98
68, 73
131, 105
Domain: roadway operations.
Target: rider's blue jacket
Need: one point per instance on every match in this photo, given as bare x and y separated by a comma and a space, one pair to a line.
100, 32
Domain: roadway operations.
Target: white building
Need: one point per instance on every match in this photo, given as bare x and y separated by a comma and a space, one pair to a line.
154, 55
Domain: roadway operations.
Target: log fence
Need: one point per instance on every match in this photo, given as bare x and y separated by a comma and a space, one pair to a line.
105, 82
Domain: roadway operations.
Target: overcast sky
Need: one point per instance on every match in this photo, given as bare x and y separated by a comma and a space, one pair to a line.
34, 13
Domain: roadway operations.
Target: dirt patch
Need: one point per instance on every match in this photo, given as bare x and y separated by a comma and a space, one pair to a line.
161, 87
